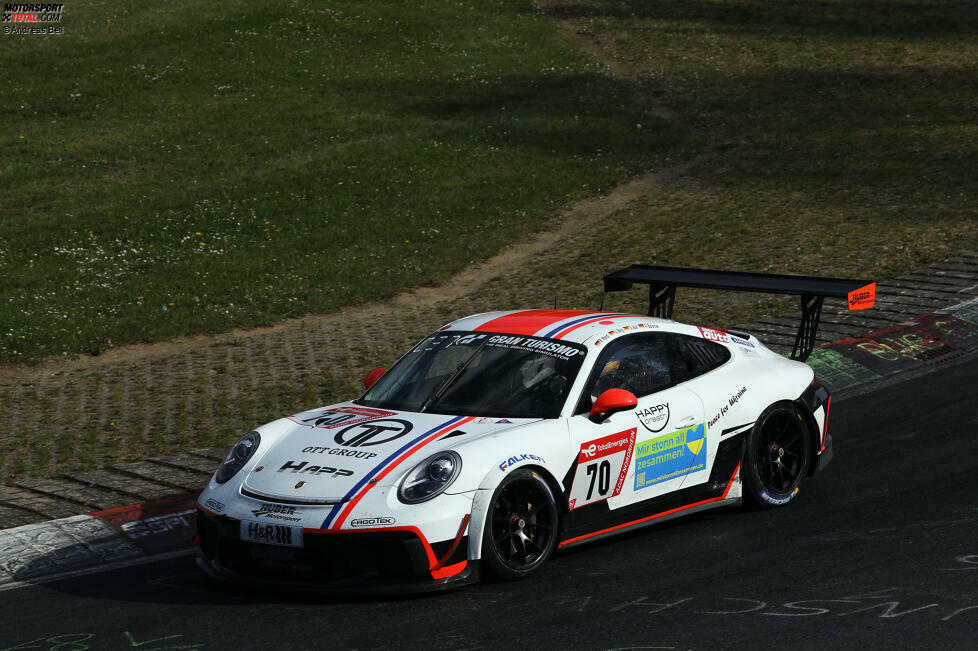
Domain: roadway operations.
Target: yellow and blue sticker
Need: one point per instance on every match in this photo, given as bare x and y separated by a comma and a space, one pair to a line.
670, 455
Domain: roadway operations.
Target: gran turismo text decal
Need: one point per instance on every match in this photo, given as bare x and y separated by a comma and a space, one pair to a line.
535, 345
602, 465
669, 456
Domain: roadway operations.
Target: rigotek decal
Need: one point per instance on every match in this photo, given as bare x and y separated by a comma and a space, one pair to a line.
600, 462
305, 467
512, 461
214, 505
372, 522
375, 432
669, 456
339, 416
654, 418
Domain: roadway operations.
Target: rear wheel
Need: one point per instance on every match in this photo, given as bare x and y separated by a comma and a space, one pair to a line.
776, 456
521, 526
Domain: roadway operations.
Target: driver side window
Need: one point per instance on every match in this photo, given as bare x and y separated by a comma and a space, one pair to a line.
636, 363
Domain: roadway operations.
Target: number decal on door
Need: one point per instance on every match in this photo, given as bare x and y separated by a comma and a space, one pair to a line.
597, 462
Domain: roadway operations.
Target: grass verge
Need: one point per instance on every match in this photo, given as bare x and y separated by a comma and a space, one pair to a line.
179, 168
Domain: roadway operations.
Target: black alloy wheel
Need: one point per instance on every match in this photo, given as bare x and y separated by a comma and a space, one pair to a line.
777, 455
521, 526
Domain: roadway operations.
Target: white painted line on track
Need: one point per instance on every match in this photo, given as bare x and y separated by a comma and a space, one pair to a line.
106, 567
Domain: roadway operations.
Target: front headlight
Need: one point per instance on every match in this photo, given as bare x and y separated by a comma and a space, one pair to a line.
243, 450
430, 477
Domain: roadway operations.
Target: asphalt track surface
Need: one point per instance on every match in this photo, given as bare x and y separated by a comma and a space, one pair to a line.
880, 551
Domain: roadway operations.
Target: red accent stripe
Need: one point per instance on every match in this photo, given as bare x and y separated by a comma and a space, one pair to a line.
451, 570
657, 515
349, 507
529, 322
582, 324
451, 550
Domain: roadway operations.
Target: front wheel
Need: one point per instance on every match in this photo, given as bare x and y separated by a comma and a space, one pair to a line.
776, 456
521, 526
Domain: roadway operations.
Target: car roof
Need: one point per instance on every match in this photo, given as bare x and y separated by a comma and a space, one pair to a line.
577, 326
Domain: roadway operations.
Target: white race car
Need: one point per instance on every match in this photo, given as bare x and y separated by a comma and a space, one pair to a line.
505, 436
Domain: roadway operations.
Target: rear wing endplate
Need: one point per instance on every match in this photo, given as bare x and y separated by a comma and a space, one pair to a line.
663, 281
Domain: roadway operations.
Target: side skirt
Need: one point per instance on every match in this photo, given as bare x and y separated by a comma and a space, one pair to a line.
663, 516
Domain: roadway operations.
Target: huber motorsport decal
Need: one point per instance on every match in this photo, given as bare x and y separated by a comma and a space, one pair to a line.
669, 456
598, 462
654, 418
276, 512
303, 467
375, 432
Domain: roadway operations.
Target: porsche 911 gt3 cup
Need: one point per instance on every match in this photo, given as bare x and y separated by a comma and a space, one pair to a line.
503, 437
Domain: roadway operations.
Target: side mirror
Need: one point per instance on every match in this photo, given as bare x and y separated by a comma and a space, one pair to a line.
372, 377
611, 402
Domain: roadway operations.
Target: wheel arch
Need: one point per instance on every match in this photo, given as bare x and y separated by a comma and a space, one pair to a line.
483, 498
814, 435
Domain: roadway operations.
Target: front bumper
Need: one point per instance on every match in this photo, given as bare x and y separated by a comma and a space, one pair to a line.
354, 562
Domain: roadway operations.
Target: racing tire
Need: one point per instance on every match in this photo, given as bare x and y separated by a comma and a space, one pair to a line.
776, 456
521, 526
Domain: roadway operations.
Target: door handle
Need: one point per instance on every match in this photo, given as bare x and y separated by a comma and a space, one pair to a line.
687, 421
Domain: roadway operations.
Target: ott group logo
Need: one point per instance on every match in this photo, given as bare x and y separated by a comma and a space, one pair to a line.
30, 18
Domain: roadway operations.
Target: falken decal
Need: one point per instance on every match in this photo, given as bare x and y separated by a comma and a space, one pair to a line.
339, 416
512, 461
669, 456
599, 463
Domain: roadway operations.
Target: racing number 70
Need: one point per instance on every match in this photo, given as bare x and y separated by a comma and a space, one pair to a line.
601, 472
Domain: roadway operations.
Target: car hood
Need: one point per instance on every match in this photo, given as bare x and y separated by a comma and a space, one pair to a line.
320, 456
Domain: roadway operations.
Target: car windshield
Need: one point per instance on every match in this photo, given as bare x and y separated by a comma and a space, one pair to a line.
479, 373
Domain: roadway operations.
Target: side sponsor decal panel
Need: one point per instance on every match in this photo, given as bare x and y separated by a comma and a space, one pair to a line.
599, 463
670, 455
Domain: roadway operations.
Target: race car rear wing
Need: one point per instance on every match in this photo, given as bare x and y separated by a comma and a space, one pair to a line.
663, 281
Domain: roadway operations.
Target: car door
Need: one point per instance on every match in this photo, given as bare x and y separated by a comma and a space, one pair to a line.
642, 453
